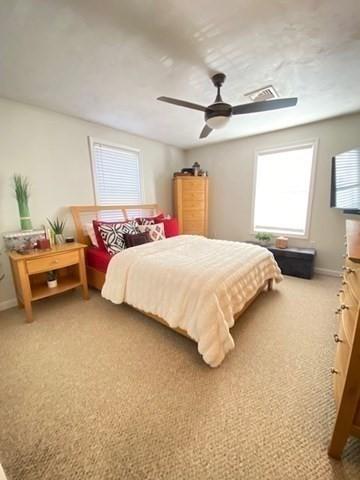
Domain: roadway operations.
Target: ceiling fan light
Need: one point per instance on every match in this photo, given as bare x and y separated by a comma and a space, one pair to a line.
217, 122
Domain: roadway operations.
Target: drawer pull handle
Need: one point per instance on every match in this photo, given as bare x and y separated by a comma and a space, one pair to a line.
334, 371
343, 282
337, 311
348, 269
337, 339
344, 307
340, 291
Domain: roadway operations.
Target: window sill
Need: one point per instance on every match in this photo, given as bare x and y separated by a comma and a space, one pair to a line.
278, 233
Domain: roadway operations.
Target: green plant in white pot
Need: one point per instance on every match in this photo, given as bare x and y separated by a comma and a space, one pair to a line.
57, 226
264, 238
51, 279
21, 187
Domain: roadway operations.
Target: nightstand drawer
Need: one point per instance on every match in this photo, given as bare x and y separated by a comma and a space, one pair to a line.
52, 262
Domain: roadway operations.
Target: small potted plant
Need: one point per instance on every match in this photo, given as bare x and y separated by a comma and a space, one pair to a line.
264, 238
57, 226
51, 279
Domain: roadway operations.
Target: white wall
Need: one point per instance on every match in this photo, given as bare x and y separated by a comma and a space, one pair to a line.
52, 151
231, 170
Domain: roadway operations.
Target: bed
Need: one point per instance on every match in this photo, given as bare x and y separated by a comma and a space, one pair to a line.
196, 286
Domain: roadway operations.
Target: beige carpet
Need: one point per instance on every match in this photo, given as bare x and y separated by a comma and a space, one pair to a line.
97, 391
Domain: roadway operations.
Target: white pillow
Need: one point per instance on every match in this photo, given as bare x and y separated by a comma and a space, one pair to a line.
156, 231
91, 232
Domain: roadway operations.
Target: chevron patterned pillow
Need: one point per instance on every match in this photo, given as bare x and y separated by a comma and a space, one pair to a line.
113, 235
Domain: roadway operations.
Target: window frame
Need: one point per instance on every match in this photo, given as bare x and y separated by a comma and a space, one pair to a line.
110, 143
281, 148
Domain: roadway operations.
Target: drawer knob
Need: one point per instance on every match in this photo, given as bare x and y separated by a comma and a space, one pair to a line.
337, 311
348, 269
334, 371
343, 282
337, 339
344, 307
340, 291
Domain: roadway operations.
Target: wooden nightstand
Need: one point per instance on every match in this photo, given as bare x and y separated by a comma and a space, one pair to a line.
30, 279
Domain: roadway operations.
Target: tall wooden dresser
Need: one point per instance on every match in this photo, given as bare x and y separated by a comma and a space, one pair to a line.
346, 369
191, 204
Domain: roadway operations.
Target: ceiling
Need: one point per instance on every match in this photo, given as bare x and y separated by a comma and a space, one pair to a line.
107, 61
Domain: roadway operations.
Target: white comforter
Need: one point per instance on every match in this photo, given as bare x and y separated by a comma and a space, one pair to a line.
193, 283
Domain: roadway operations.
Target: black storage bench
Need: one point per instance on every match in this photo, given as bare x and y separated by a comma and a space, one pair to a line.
297, 262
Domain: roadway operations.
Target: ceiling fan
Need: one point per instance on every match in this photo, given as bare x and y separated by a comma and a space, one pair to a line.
218, 114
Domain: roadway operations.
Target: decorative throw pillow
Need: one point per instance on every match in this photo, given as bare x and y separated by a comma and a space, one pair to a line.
113, 235
156, 231
135, 239
150, 220
99, 239
171, 227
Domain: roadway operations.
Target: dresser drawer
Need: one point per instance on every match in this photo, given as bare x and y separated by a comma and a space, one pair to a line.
352, 276
192, 227
193, 205
349, 307
340, 364
193, 185
194, 196
193, 215
44, 264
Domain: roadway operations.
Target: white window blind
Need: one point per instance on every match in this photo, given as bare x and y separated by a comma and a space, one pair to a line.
282, 190
347, 180
116, 173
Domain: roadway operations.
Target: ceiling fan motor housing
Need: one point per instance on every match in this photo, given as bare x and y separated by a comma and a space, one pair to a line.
218, 114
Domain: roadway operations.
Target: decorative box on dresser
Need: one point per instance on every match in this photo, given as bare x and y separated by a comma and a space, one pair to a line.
191, 204
346, 370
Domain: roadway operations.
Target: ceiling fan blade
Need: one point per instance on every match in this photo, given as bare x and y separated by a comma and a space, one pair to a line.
205, 131
182, 103
264, 105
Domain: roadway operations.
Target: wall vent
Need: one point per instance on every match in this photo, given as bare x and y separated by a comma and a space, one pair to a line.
264, 93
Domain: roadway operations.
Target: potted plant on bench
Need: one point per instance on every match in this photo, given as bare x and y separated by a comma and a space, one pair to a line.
264, 238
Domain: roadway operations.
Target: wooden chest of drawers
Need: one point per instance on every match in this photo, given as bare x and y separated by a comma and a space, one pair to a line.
191, 204
346, 369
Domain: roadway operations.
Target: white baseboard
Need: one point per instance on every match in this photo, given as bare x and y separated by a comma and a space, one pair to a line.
329, 273
12, 302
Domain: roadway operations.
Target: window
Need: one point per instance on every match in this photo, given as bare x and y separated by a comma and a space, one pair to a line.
116, 174
283, 188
